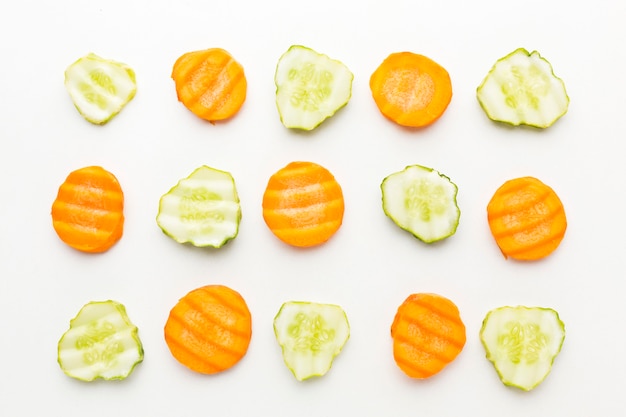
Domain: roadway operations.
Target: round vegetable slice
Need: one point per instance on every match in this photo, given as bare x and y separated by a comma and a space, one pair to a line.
310, 335
202, 209
100, 343
521, 89
522, 343
422, 201
303, 204
427, 333
411, 89
209, 329
527, 219
88, 212
210, 83
100, 88
310, 87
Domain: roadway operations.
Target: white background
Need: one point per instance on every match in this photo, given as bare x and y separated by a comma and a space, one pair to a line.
370, 266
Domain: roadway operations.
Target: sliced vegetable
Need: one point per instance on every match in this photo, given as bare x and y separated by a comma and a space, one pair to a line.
410, 89
527, 219
202, 209
87, 213
303, 204
310, 335
427, 333
310, 87
100, 343
522, 343
421, 201
100, 88
521, 89
210, 83
209, 329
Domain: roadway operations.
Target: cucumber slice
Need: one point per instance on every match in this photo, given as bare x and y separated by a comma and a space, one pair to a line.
311, 335
100, 343
422, 201
521, 89
202, 209
100, 88
310, 87
522, 343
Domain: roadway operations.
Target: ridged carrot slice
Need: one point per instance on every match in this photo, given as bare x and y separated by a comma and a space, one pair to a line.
427, 333
209, 329
87, 213
210, 83
527, 219
303, 204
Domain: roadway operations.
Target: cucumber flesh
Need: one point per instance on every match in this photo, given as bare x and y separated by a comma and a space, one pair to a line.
521, 89
100, 88
522, 343
202, 209
100, 343
422, 201
310, 87
311, 335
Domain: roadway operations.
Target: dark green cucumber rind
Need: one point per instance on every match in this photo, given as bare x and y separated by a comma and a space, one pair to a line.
490, 358
521, 123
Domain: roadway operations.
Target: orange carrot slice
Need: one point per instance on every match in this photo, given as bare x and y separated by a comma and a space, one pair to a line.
527, 219
209, 329
303, 204
427, 333
87, 213
210, 83
410, 89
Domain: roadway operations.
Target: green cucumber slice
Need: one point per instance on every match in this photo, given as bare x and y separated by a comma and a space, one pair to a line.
521, 89
310, 335
310, 87
100, 343
522, 343
202, 209
422, 201
100, 88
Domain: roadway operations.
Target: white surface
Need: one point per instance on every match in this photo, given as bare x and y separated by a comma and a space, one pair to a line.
370, 266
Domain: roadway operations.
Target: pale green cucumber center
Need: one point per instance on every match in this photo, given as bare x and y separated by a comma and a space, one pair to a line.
199, 207
425, 200
526, 87
310, 333
99, 81
522, 342
310, 86
99, 345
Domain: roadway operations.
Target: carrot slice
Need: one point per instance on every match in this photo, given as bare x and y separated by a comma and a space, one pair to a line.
410, 89
87, 213
303, 204
427, 333
210, 83
527, 219
209, 329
